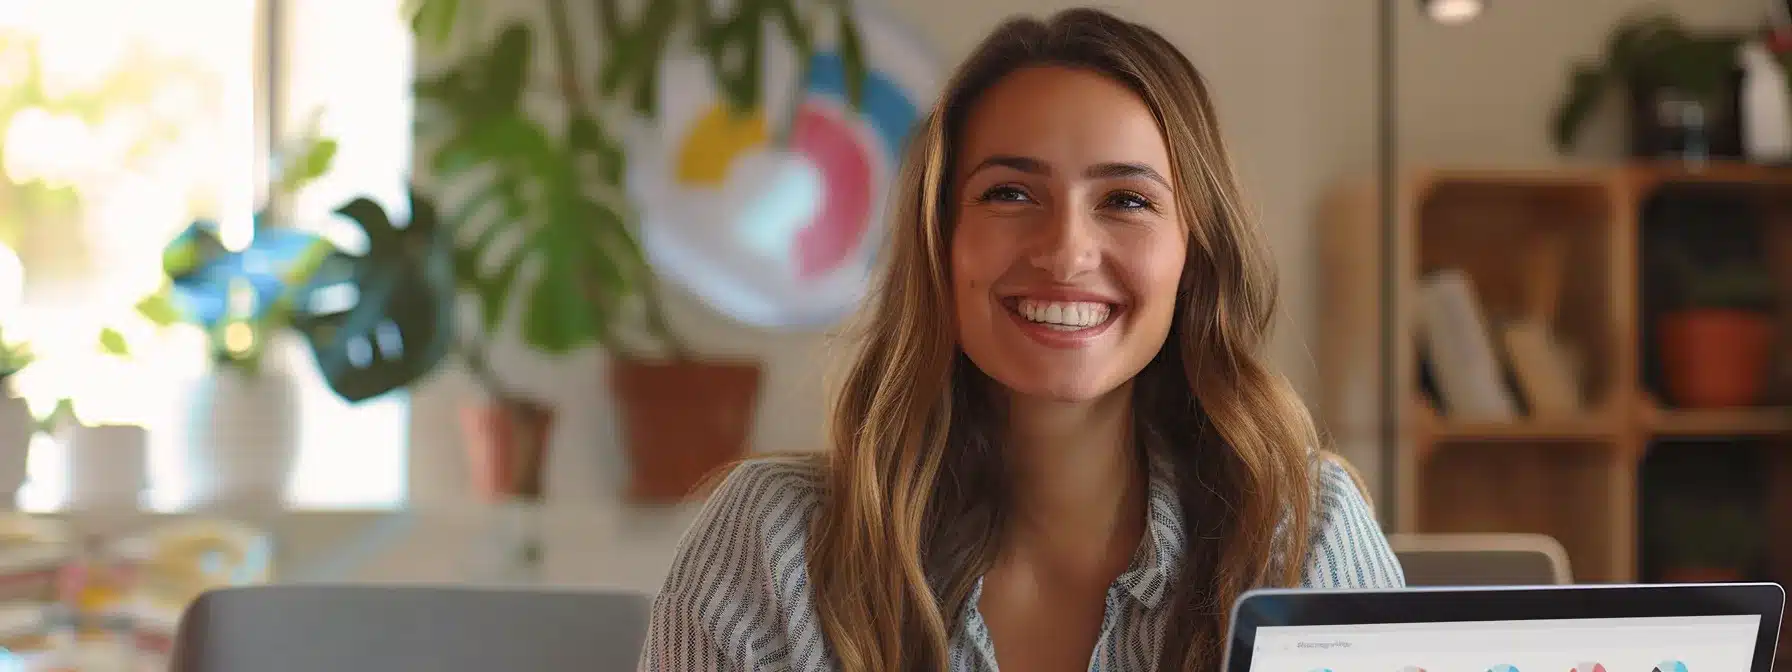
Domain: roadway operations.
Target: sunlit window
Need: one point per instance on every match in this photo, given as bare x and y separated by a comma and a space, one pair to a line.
350, 455
120, 131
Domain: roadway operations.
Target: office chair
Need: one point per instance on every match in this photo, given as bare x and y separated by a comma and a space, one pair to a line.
369, 628
1481, 559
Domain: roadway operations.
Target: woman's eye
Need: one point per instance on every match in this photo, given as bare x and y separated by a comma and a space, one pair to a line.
1005, 194
1129, 201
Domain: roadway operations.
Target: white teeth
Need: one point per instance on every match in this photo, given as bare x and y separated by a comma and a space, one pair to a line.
1066, 315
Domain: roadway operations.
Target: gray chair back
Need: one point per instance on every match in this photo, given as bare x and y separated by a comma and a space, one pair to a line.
368, 628
1481, 559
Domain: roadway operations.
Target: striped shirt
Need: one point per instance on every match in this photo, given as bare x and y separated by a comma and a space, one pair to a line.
738, 595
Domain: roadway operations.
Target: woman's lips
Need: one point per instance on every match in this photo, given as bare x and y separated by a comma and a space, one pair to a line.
1062, 323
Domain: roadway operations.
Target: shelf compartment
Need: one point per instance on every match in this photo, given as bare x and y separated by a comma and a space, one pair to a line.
1578, 492
1539, 249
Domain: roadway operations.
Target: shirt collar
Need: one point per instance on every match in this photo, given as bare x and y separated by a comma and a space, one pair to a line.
1159, 556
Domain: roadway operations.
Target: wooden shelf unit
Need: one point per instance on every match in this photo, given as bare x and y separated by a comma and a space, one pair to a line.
1576, 477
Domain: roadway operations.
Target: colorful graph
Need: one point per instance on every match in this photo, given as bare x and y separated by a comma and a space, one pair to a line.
1670, 666
1502, 668
774, 217
1589, 667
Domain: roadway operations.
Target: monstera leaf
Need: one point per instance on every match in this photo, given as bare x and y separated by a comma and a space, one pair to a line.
379, 321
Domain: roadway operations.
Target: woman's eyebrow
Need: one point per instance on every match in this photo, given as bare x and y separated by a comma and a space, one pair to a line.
1025, 164
1100, 171
1111, 171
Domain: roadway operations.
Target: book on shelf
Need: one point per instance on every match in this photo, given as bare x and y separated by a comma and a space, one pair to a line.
1454, 334
1542, 368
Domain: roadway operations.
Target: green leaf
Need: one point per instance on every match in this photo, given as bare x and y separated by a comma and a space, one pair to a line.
1586, 88
796, 30
433, 20
401, 322
585, 136
113, 343
735, 49
193, 249
309, 165
159, 308
319, 159
507, 67
494, 292
557, 319
367, 214
632, 61
852, 55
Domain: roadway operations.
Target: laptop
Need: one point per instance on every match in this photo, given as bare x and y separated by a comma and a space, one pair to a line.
1593, 628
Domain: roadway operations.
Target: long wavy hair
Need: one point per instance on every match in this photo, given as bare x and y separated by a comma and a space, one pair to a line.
915, 500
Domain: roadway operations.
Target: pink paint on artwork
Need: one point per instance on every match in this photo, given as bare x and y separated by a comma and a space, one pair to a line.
839, 156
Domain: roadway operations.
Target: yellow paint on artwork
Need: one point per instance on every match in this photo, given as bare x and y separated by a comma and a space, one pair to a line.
715, 139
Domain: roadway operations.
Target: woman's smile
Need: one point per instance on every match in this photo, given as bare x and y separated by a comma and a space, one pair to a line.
1062, 318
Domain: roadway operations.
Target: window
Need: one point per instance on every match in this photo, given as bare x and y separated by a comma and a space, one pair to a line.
152, 118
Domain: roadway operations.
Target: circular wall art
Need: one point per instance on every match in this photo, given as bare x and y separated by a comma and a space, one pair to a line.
776, 218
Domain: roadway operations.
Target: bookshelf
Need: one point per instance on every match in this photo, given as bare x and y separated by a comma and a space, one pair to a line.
1570, 248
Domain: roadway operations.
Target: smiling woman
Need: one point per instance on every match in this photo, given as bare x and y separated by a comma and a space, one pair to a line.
1059, 446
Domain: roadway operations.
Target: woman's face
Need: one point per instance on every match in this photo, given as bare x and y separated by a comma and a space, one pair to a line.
1067, 248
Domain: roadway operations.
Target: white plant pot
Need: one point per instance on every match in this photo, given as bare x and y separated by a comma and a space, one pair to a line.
17, 426
108, 466
244, 438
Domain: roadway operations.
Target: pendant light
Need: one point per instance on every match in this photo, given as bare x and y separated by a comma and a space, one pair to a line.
1453, 12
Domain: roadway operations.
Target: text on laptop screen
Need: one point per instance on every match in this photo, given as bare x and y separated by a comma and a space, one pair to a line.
1678, 644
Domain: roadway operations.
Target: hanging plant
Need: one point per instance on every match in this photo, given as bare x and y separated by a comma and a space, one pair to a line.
1646, 50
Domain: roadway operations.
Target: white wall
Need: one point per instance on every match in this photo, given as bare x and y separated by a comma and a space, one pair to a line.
1295, 86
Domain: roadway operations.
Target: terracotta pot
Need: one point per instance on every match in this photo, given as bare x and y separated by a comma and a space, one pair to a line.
507, 445
682, 421
1697, 574
1715, 358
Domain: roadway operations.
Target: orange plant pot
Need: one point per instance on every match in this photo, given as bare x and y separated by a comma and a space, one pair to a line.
681, 422
1715, 358
507, 445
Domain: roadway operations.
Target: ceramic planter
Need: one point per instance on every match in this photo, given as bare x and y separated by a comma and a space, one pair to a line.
245, 438
1716, 358
682, 421
507, 444
108, 466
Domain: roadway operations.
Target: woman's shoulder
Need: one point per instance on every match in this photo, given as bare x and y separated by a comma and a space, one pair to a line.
765, 484
1348, 548
756, 519
737, 588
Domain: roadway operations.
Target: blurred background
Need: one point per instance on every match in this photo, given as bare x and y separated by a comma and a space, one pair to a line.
478, 292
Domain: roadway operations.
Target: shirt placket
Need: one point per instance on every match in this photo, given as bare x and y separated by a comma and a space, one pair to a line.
976, 635
1115, 599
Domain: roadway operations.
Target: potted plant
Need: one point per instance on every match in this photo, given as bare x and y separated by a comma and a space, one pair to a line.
1708, 542
1717, 340
1680, 84
547, 228
242, 294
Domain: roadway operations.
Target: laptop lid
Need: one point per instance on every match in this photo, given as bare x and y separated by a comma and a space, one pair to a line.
1592, 628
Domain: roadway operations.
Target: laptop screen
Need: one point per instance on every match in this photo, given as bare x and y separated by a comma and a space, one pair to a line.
1669, 644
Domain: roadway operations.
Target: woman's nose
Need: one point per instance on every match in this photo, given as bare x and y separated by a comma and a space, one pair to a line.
1066, 245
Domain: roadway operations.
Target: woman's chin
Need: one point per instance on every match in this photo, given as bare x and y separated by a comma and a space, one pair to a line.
1065, 389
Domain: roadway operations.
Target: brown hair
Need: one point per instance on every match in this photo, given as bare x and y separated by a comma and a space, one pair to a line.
914, 495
